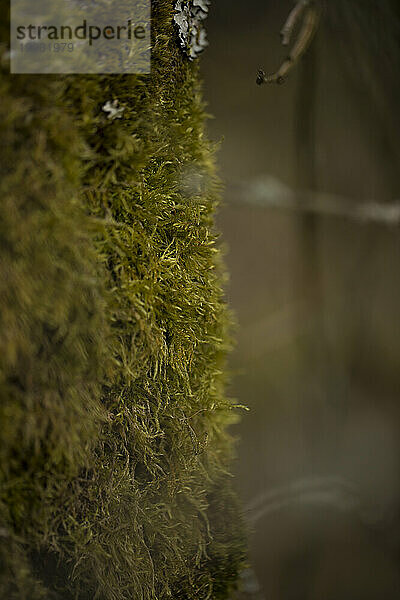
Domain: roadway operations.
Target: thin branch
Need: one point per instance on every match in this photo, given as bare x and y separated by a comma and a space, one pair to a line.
330, 491
302, 43
268, 192
291, 21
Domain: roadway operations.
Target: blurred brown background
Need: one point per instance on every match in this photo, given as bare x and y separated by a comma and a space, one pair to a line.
316, 296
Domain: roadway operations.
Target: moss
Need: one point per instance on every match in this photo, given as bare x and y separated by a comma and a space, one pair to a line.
114, 450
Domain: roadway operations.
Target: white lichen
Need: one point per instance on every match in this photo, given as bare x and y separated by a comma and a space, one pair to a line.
190, 16
115, 111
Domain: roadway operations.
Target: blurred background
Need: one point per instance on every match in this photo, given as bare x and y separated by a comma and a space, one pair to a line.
311, 222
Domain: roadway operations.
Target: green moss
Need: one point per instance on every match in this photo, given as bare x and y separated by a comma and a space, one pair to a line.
114, 449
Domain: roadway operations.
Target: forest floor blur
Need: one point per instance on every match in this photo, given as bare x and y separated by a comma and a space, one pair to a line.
318, 368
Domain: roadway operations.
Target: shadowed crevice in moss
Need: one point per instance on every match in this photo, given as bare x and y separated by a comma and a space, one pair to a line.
114, 336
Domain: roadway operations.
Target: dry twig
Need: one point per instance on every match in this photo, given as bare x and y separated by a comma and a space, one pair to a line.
308, 12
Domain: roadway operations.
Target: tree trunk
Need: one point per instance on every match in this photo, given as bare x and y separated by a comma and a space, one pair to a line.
114, 450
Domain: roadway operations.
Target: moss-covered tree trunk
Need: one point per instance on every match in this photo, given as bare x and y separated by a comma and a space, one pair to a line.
113, 334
